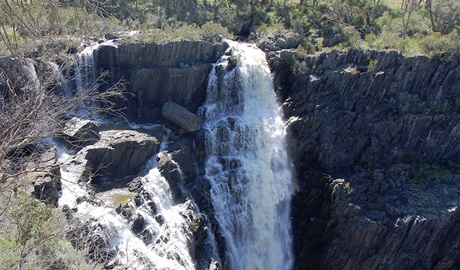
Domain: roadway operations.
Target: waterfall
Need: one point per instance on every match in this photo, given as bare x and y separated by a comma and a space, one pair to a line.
247, 164
86, 75
33, 82
62, 83
85, 72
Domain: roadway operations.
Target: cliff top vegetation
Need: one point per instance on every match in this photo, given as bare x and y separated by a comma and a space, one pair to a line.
409, 26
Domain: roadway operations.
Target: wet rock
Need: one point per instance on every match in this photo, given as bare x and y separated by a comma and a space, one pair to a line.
124, 210
138, 224
214, 265
89, 236
146, 236
138, 200
153, 207
135, 185
160, 219
172, 173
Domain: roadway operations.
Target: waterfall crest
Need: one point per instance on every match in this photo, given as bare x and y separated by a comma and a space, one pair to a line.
247, 164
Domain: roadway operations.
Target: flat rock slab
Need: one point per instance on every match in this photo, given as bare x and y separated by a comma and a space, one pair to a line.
120, 153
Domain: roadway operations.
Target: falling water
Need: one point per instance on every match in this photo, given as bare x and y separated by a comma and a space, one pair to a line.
86, 75
247, 164
62, 83
85, 72
33, 82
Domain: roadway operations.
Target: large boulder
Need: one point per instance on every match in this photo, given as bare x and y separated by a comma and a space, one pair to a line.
181, 116
120, 153
79, 131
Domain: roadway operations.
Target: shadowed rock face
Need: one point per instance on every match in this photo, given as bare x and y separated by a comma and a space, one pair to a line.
374, 108
389, 127
176, 71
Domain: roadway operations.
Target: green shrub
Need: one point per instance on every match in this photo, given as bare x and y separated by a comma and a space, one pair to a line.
213, 32
33, 237
435, 43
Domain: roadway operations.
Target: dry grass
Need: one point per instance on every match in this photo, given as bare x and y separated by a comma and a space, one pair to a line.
393, 4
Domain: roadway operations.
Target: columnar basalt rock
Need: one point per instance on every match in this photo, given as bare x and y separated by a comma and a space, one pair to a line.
397, 120
156, 73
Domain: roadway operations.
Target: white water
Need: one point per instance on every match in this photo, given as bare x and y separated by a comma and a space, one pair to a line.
33, 82
85, 66
168, 248
247, 165
86, 75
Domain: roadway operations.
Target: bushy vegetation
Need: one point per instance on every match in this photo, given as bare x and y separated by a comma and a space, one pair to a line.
32, 236
410, 26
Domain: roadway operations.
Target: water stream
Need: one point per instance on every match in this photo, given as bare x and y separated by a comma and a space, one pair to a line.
247, 164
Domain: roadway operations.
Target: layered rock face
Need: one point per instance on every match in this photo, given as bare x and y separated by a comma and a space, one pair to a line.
389, 126
157, 73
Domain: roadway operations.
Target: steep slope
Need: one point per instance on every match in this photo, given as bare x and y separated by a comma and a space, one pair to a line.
375, 141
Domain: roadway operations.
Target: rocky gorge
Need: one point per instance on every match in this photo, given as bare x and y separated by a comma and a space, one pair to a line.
373, 137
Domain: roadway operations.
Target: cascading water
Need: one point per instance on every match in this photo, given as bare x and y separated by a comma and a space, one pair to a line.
166, 236
28, 68
247, 164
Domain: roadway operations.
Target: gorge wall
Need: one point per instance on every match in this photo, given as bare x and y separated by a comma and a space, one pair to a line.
374, 140
156, 73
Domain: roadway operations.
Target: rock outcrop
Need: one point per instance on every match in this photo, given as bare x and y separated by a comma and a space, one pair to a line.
389, 127
157, 73
120, 153
359, 236
46, 178
80, 132
376, 107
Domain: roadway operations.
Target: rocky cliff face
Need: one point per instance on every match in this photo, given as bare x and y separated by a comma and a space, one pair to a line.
386, 128
156, 73
373, 136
